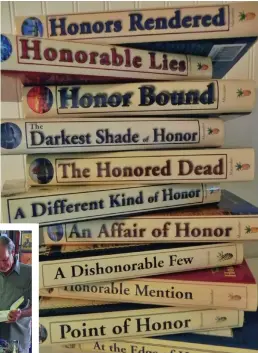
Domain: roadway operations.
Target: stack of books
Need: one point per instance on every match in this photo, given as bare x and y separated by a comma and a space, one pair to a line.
123, 124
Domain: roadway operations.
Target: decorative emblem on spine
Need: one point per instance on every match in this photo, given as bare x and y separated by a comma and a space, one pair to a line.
32, 27
55, 232
221, 318
234, 296
214, 131
11, 136
223, 257
6, 48
243, 92
242, 166
40, 99
246, 16
202, 67
249, 229
41, 171
42, 334
213, 190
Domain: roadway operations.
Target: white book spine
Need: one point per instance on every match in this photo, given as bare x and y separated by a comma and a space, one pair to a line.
163, 228
142, 167
58, 205
205, 97
136, 323
64, 272
27, 136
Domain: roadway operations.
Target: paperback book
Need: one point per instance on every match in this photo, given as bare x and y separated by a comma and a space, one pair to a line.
225, 32
232, 219
27, 58
66, 327
174, 98
28, 136
226, 287
48, 205
59, 268
243, 340
142, 167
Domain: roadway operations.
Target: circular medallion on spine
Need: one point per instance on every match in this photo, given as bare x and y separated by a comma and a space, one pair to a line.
11, 136
55, 232
32, 27
41, 171
6, 48
42, 333
40, 99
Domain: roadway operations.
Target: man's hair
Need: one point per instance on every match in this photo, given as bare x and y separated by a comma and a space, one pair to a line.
8, 243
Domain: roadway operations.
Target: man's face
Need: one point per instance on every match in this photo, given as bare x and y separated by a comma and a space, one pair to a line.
6, 260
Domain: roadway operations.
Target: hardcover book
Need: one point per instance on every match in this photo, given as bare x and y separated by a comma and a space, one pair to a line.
188, 98
232, 219
48, 205
227, 287
85, 62
224, 32
243, 340
59, 268
144, 167
67, 327
27, 136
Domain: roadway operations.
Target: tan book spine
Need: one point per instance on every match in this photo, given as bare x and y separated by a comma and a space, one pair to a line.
163, 228
58, 273
134, 323
27, 136
55, 303
89, 60
50, 205
169, 292
237, 19
144, 167
138, 99
140, 345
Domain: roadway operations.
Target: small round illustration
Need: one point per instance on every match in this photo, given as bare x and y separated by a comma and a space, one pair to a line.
11, 136
41, 171
33, 27
40, 99
6, 48
42, 334
55, 232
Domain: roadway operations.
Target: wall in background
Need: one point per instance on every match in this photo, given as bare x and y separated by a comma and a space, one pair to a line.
241, 132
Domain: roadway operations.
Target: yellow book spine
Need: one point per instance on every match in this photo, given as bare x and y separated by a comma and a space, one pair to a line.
28, 136
134, 323
142, 25
50, 205
103, 61
64, 272
142, 167
138, 99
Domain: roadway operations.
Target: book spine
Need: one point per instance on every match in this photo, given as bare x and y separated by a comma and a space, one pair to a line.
141, 345
64, 272
21, 136
151, 229
75, 58
51, 207
144, 167
170, 24
164, 292
214, 97
149, 322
